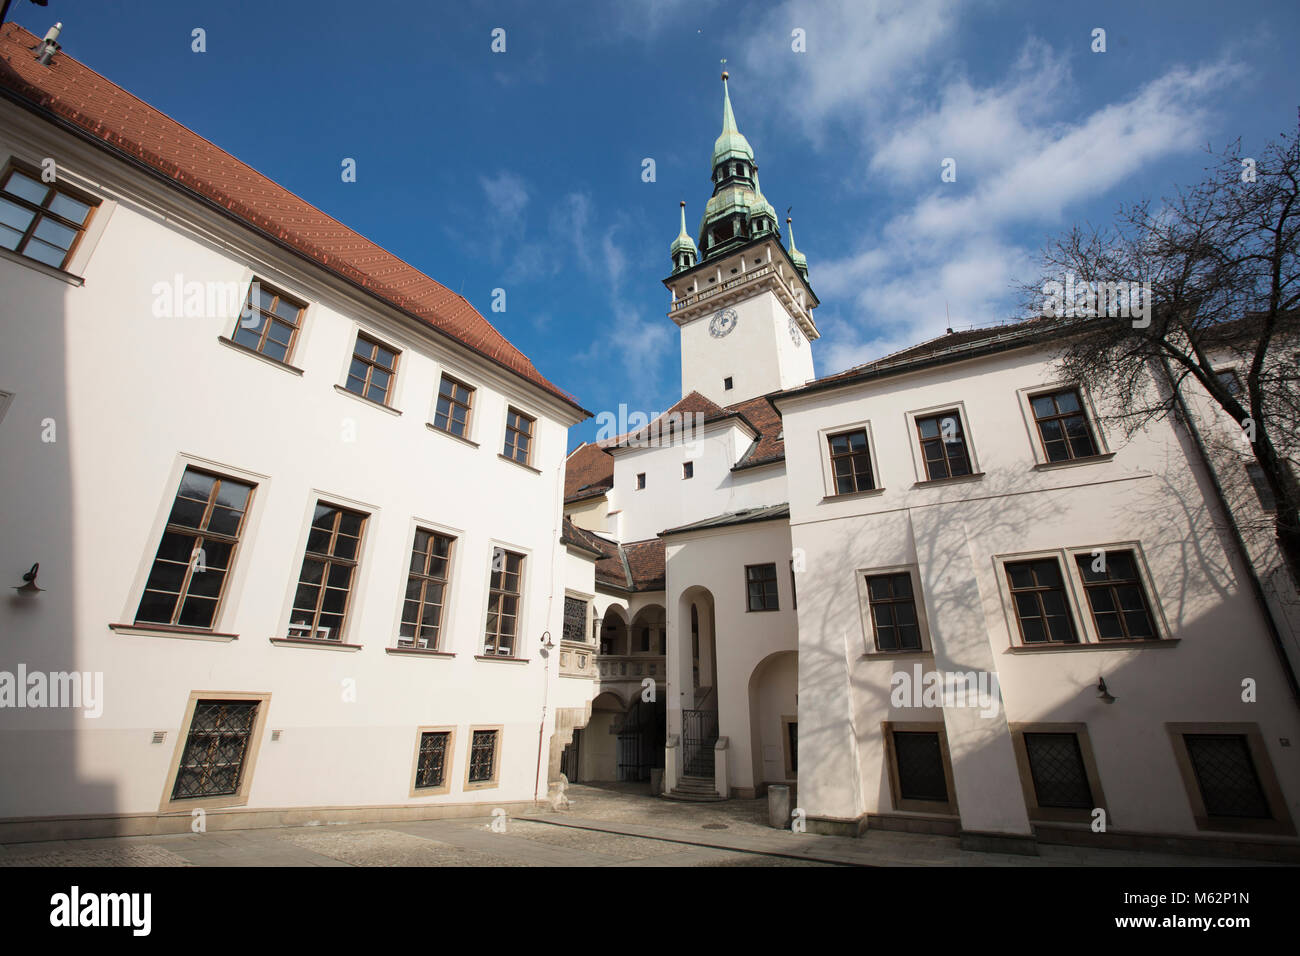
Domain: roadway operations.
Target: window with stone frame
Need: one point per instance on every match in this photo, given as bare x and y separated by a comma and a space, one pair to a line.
426, 596
851, 462
892, 603
329, 565
216, 749
505, 589
270, 322
40, 220
1063, 426
192, 565
1041, 607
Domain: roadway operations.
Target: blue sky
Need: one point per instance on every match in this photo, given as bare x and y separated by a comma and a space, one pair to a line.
522, 170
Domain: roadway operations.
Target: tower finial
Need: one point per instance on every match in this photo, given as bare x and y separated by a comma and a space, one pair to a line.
798, 258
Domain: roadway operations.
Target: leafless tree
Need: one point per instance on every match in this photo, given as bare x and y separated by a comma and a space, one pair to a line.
1220, 262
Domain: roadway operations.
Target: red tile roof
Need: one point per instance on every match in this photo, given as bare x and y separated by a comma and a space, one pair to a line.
103, 111
770, 445
588, 471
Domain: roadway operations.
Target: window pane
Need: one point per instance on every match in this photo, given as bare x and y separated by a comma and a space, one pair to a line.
69, 208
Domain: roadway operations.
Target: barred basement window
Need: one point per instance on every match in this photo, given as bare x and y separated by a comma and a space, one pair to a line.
483, 756
943, 446
503, 602
426, 590
1116, 597
1059, 776
270, 324
1038, 592
213, 761
41, 221
918, 757
760, 583
1226, 776
430, 770
189, 572
371, 371
893, 612
1063, 425
851, 462
454, 400
575, 619
519, 436
325, 583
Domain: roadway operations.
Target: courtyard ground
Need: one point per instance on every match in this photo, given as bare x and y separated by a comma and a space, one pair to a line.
615, 825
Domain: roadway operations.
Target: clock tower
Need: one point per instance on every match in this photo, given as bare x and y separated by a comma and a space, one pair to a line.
741, 299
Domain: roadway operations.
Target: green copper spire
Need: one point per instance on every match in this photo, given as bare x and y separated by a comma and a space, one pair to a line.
730, 144
798, 258
683, 248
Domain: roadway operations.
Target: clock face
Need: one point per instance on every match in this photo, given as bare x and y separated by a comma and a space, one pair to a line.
795, 335
723, 321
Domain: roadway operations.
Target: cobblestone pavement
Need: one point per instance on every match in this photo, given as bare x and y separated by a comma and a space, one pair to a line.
605, 826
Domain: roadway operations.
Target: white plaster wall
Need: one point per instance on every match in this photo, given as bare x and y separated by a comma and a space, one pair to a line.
716, 561
130, 394
951, 533
757, 354
668, 500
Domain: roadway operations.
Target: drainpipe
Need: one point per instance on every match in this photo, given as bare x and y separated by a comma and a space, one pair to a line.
1239, 543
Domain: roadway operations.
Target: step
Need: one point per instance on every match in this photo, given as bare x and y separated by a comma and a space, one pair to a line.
693, 797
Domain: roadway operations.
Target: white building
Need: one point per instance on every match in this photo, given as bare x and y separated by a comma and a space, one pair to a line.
187, 472
979, 609
940, 582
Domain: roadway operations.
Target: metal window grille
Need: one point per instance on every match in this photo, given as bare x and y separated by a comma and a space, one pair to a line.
482, 756
433, 759
1226, 776
1056, 766
212, 763
919, 758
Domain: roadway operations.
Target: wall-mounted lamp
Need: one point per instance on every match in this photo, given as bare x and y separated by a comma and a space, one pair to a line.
1103, 693
29, 585
547, 643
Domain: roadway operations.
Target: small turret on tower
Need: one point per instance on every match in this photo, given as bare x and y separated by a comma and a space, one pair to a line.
683, 248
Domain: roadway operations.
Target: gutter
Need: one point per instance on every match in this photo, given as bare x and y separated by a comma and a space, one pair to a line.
1239, 543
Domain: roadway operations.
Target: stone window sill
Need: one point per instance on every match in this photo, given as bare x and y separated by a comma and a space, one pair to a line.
369, 401
48, 270
1092, 646
268, 359
535, 471
442, 431
418, 652
311, 642
168, 630
1074, 462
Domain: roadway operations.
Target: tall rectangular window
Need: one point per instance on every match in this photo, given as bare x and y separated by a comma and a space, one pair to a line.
1057, 769
483, 756
196, 553
426, 590
454, 401
269, 322
893, 612
430, 769
1042, 611
216, 748
851, 462
943, 446
320, 603
1116, 596
1226, 776
371, 371
519, 436
1063, 425
505, 588
39, 220
760, 583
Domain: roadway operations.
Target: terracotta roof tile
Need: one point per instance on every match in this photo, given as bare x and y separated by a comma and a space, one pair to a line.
77, 94
588, 471
645, 559
770, 444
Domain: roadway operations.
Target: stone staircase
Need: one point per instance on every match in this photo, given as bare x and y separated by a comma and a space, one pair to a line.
695, 790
